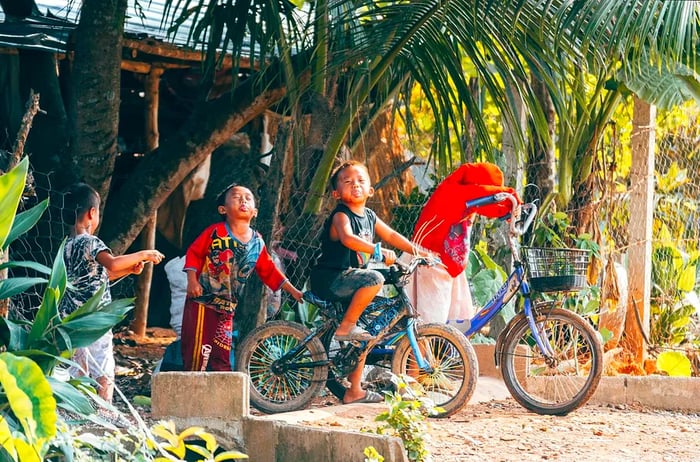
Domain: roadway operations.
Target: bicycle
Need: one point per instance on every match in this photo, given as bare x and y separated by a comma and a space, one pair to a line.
551, 359
288, 363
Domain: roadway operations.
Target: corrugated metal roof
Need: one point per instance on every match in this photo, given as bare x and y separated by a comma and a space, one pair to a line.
146, 20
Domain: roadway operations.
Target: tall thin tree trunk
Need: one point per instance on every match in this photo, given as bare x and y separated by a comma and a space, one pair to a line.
540, 168
95, 107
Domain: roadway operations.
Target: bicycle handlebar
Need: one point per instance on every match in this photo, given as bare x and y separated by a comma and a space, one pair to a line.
516, 210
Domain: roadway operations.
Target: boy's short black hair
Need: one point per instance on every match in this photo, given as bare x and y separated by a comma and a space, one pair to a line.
340, 168
221, 197
78, 199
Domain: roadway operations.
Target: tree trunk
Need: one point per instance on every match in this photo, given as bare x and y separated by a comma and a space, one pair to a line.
96, 85
541, 161
250, 313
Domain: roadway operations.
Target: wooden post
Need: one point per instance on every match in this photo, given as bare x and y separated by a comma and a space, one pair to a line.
148, 234
640, 226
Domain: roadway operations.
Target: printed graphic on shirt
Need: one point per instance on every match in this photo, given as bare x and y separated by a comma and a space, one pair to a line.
226, 270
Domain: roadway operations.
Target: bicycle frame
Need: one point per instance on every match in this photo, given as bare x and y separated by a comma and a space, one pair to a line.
378, 346
516, 281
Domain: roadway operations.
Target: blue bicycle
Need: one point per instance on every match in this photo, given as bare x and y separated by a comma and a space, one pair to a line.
288, 364
551, 359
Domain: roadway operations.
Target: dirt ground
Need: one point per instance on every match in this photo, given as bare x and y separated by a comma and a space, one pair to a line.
488, 431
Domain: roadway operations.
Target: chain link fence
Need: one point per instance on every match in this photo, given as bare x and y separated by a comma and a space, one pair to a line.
295, 237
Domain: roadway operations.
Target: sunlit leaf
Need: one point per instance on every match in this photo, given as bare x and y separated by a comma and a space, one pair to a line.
674, 363
29, 395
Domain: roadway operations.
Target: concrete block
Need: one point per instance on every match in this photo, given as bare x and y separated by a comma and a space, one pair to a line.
222, 395
673, 393
611, 390
487, 364
260, 439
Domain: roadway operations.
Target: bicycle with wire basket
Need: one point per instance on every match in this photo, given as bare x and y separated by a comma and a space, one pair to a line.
551, 359
288, 364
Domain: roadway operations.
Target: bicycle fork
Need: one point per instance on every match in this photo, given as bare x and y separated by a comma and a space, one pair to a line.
422, 362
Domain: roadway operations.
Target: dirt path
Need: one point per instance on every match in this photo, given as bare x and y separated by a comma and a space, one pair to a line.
504, 431
492, 430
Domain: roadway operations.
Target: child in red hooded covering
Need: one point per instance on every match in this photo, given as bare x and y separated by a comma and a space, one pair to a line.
443, 227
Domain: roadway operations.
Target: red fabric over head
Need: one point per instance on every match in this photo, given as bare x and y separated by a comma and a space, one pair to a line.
446, 208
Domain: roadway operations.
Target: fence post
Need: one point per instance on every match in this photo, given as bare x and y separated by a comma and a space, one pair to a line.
148, 234
641, 212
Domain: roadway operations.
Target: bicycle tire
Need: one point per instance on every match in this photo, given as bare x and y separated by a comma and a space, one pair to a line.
282, 390
551, 386
453, 381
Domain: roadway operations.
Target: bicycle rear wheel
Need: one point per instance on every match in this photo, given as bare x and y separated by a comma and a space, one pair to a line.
281, 386
455, 368
561, 381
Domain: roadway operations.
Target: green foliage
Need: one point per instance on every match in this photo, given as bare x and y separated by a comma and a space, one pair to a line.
27, 410
408, 409
11, 189
302, 312
29, 397
554, 230
673, 276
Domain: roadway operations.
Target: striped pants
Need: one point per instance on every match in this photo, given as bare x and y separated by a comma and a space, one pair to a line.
206, 338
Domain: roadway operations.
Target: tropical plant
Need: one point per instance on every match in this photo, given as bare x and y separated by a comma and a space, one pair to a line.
405, 418
29, 396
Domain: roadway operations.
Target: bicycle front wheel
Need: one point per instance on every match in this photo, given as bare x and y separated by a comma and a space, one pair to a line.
276, 385
455, 369
556, 381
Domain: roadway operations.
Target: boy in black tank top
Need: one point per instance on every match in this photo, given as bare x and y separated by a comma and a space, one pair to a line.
347, 243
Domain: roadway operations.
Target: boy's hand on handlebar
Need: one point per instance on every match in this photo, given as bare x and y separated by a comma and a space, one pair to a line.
389, 256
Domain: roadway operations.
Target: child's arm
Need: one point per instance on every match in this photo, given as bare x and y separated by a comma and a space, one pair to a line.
291, 290
342, 230
272, 277
392, 237
131, 263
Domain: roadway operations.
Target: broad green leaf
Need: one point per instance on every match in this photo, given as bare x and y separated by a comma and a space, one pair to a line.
13, 335
24, 221
485, 285
13, 286
11, 189
30, 398
48, 316
7, 442
70, 398
674, 363
38, 267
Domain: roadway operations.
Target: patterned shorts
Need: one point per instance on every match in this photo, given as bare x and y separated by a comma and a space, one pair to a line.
349, 281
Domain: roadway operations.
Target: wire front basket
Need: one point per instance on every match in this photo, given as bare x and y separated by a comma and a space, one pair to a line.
555, 270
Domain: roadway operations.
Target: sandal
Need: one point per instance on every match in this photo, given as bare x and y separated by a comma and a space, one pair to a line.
356, 333
370, 397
